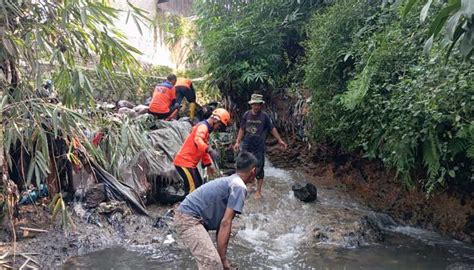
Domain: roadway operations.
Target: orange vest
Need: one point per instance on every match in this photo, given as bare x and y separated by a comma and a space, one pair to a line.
195, 147
184, 82
162, 98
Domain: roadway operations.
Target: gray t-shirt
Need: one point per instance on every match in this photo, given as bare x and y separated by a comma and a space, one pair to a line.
210, 200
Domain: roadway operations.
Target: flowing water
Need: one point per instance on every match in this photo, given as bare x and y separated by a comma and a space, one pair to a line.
280, 232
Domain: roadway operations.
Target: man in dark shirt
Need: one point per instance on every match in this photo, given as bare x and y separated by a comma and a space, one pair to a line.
213, 206
254, 127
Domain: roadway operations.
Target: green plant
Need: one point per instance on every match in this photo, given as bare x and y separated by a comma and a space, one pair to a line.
249, 46
77, 33
376, 92
456, 17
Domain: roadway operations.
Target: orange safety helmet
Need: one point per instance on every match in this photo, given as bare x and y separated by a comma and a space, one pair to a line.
223, 115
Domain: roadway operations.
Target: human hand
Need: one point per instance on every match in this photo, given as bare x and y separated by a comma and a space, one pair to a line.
236, 147
211, 172
282, 144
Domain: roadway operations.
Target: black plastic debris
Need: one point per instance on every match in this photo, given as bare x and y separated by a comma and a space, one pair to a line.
117, 190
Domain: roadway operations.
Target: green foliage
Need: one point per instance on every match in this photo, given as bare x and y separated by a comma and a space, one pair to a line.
66, 36
457, 18
123, 87
250, 45
174, 27
375, 91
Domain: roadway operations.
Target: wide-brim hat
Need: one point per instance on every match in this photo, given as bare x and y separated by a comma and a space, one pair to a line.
256, 98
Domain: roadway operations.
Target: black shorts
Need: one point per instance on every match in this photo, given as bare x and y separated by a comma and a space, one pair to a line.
184, 92
260, 155
166, 114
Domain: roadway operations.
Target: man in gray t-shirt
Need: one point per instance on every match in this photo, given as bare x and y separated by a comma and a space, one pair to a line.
213, 206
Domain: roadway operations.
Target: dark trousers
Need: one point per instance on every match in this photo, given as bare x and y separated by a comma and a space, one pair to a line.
184, 92
191, 177
166, 114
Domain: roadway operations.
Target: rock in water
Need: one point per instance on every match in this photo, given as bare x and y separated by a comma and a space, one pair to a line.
95, 195
305, 192
125, 104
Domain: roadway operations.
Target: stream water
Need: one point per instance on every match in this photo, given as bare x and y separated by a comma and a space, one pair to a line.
280, 232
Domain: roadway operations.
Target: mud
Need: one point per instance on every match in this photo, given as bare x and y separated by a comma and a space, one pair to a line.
87, 233
373, 185
341, 178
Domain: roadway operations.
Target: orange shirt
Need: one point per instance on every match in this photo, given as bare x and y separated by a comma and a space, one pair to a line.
163, 96
183, 82
195, 147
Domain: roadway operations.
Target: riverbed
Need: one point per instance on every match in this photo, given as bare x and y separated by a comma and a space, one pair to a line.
280, 232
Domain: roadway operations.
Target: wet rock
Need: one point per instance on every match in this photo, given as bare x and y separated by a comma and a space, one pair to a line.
113, 207
169, 195
469, 227
125, 104
127, 111
305, 192
165, 220
141, 109
94, 196
460, 266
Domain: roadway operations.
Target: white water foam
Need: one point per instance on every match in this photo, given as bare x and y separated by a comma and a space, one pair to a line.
279, 174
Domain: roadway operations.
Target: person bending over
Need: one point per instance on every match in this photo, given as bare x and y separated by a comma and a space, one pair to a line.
196, 148
213, 206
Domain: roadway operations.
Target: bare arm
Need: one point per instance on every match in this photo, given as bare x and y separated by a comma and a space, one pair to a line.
277, 136
240, 136
223, 234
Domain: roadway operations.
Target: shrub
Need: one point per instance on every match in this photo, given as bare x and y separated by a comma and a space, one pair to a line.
375, 91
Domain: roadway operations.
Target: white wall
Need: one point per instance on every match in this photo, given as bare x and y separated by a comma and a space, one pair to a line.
150, 42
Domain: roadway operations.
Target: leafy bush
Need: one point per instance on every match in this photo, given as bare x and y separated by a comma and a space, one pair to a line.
248, 46
123, 87
375, 91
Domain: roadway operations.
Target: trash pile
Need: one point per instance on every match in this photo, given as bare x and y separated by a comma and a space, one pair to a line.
80, 179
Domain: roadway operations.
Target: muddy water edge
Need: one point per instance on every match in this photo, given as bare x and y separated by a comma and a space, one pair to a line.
369, 183
346, 233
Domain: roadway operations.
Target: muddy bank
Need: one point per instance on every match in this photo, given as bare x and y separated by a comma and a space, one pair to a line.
371, 184
89, 232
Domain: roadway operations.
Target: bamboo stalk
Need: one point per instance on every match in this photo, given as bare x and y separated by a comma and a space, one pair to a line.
29, 258
33, 229
24, 264
4, 255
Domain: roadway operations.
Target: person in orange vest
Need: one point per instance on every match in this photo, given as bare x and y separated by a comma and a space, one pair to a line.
196, 149
163, 104
184, 89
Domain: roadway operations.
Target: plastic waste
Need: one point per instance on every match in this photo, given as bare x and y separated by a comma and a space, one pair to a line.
33, 194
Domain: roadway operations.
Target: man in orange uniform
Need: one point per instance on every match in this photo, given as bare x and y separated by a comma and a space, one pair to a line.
196, 148
163, 103
184, 89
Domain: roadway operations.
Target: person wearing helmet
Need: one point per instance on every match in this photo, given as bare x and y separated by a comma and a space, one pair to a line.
163, 104
196, 149
254, 127
184, 89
